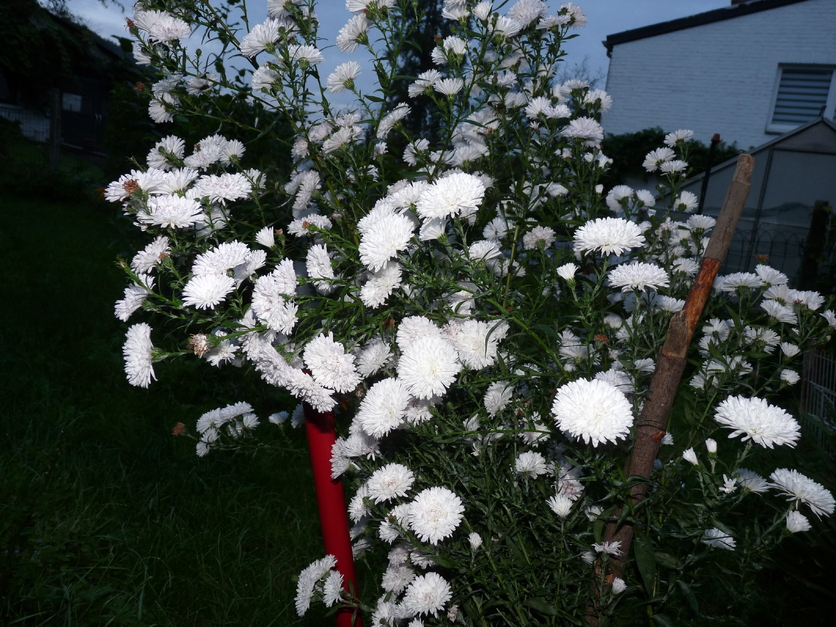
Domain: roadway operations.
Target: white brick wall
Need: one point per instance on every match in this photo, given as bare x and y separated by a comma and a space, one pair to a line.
718, 77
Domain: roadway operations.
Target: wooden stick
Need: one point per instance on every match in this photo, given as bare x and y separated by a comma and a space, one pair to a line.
670, 365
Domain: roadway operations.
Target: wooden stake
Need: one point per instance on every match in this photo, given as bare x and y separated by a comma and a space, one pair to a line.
670, 364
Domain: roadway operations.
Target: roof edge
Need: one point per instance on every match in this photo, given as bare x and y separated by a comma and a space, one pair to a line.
766, 145
700, 19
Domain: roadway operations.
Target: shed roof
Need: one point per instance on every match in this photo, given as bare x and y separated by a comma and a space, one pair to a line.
717, 15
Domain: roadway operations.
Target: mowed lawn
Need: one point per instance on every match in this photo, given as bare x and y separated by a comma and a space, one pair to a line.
105, 517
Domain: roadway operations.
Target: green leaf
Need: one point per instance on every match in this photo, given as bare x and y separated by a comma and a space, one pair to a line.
541, 605
666, 560
517, 552
548, 330
645, 562
661, 619
689, 595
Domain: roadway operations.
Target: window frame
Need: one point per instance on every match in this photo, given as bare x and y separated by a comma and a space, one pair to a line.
830, 104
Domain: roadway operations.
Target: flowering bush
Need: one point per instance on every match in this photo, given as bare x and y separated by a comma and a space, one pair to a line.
481, 315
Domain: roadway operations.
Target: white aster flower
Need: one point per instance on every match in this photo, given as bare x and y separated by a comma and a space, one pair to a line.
166, 153
674, 166
353, 33
608, 548
223, 187
686, 202
448, 86
484, 250
168, 28
397, 577
476, 342
718, 539
796, 521
383, 408
729, 484
584, 128
389, 482
681, 135
497, 397
608, 236
207, 290
567, 271
789, 349
780, 312
537, 237
802, 489
737, 280
427, 594
638, 275
138, 354
134, 295
475, 540
690, 456
260, 37
170, 211
304, 53
594, 411
751, 481
308, 578
618, 585
428, 366
434, 514
770, 276
330, 365
755, 419
219, 260
332, 588
374, 356
560, 504
790, 377
456, 194
412, 328
266, 237
271, 298
343, 77
381, 284
656, 158
531, 464
318, 264
384, 238
391, 119
148, 258
301, 227
264, 78
686, 266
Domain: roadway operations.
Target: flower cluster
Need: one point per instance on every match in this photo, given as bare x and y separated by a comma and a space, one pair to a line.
480, 314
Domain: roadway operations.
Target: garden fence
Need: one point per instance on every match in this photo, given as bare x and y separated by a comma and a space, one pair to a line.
818, 396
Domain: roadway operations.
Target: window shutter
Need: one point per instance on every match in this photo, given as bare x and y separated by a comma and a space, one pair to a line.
802, 95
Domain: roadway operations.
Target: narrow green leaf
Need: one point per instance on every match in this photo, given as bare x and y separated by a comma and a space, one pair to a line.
541, 605
661, 619
666, 560
645, 562
689, 595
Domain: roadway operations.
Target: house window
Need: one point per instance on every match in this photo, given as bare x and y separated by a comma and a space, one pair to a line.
802, 93
70, 102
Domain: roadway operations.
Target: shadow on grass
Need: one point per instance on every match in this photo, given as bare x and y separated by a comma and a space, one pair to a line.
105, 517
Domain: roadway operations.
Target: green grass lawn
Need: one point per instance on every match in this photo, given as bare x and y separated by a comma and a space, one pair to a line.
105, 517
